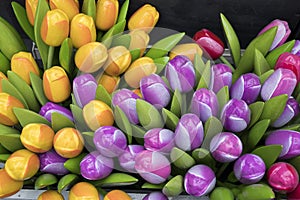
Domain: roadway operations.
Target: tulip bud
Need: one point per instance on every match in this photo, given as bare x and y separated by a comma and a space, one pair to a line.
37, 138
49, 108
95, 166
68, 142
107, 14
110, 141
291, 110
84, 89
282, 81
295, 194
155, 196
96, 114
52, 163
56, 84
199, 180
153, 166
246, 88
23, 63
127, 158
119, 59
296, 48
235, 115
91, 57
189, 50
50, 194
8, 186
139, 40
117, 195
283, 177
249, 169
204, 104
289, 61
83, 190
31, 6
82, 30
158, 139
282, 34
181, 74
211, 43
70, 7
288, 139
2, 77
144, 18
140, 68
226, 147
189, 132
7, 103
221, 75
110, 83
155, 91
22, 165
55, 27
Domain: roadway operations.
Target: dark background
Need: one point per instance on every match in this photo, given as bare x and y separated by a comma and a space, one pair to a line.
247, 17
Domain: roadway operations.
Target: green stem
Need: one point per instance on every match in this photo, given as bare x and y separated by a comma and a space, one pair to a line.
50, 57
225, 61
222, 169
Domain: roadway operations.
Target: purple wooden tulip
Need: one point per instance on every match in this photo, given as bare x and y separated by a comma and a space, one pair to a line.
127, 158
49, 108
249, 168
155, 196
221, 75
110, 141
290, 111
51, 162
189, 132
84, 89
95, 166
283, 32
153, 166
199, 180
126, 100
290, 141
296, 48
247, 88
204, 104
235, 115
159, 139
226, 147
181, 74
155, 91
282, 81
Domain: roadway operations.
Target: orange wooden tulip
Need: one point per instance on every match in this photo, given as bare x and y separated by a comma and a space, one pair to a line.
7, 103
2, 76
8, 186
119, 59
110, 83
70, 7
83, 190
188, 49
50, 195
117, 195
30, 6
106, 14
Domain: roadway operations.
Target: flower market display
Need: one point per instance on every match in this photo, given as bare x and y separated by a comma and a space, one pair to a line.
105, 104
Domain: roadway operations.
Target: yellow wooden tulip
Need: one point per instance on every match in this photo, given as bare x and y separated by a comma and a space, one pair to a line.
7, 103
8, 186
188, 49
110, 83
119, 59
50, 195
106, 14
117, 195
70, 7
30, 6
83, 190
2, 76
139, 40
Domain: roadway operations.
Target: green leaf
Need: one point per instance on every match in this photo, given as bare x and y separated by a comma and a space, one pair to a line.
37, 86
203, 156
8, 129
232, 39
66, 55
153, 186
181, 159
11, 142
265, 76
174, 186
4, 157
123, 123
45, 180
260, 63
116, 29
212, 127
67, 182
122, 40
135, 54
170, 119
9, 88
269, 153
256, 192
89, 140
59, 121
199, 66
25, 90
3, 150
163, 46
205, 76
89, 8
73, 164
256, 133
161, 63
116, 179
223, 96
148, 115
178, 103
256, 109
27, 117
138, 133
103, 95
78, 118
4, 63
223, 193
123, 11
296, 163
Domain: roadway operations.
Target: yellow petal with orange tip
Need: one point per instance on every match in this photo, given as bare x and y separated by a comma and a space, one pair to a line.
139, 40
107, 14
117, 195
8, 186
2, 76
70, 7
187, 49
50, 195
110, 83
30, 6
83, 191
7, 103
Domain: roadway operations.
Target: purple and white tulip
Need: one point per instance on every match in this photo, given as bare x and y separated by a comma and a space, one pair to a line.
155, 91
127, 158
110, 141
153, 166
199, 180
204, 104
155, 196
226, 147
249, 168
84, 89
283, 32
189, 132
235, 115
221, 75
51, 162
282, 81
159, 139
290, 141
95, 166
49, 108
296, 48
247, 88
181, 74
291, 110
126, 100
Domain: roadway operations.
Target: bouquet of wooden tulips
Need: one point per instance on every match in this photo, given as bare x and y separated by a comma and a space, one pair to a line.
106, 103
